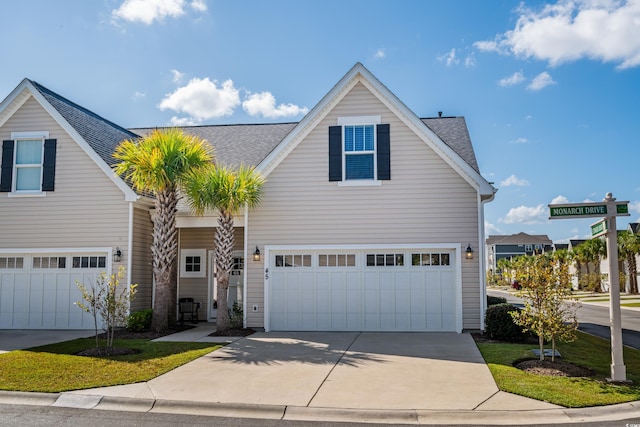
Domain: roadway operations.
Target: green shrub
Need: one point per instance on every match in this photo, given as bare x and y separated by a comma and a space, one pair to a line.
495, 300
235, 316
500, 326
140, 320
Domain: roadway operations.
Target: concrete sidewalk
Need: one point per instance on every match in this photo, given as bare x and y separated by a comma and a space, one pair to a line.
402, 378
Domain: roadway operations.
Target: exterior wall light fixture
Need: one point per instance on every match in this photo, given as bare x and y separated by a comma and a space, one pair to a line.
256, 254
469, 252
117, 255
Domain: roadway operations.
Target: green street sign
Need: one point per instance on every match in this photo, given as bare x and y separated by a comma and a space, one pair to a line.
599, 228
586, 210
577, 210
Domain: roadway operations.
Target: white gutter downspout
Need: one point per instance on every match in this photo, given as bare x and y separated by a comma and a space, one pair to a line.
244, 267
130, 248
481, 256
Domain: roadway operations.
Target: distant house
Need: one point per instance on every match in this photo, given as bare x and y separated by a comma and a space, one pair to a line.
366, 215
514, 245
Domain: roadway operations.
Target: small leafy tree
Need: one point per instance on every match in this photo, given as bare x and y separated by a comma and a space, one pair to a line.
549, 310
109, 300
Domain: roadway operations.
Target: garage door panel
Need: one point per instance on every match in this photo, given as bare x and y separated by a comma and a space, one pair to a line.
389, 295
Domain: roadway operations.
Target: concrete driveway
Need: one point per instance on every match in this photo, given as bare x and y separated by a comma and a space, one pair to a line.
350, 370
18, 339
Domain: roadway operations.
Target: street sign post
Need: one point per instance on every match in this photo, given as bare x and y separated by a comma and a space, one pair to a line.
608, 209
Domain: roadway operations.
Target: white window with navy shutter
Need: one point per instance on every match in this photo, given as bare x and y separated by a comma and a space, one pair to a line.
28, 164
359, 151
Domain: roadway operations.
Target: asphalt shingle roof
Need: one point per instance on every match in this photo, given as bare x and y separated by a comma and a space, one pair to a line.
453, 131
102, 135
246, 144
519, 239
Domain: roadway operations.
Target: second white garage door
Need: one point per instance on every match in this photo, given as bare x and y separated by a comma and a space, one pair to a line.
38, 290
363, 290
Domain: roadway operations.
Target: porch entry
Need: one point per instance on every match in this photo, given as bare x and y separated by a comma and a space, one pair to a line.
236, 283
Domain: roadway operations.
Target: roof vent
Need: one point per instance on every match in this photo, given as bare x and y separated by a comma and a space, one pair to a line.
439, 113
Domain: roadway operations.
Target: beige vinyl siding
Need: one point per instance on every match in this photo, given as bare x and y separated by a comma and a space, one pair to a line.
201, 238
141, 263
85, 210
425, 201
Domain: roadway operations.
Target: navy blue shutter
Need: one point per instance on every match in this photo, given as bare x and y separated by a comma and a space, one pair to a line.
49, 165
384, 152
6, 172
335, 153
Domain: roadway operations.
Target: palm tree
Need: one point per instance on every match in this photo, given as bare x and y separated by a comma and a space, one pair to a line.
230, 192
628, 248
158, 164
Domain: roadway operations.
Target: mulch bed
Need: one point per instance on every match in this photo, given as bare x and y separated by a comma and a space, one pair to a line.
556, 368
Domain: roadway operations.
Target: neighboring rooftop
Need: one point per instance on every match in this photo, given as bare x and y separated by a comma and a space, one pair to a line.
519, 239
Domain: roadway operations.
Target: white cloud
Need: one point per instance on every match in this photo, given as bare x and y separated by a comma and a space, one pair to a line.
541, 81
449, 58
491, 229
199, 5
525, 215
202, 99
380, 53
139, 95
520, 141
148, 11
604, 30
264, 104
514, 79
559, 200
177, 76
470, 61
514, 180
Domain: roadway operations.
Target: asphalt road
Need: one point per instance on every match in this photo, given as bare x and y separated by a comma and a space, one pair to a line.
594, 319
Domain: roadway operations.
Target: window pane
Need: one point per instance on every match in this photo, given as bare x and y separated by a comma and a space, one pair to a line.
102, 262
359, 138
368, 138
348, 138
444, 259
28, 178
29, 152
359, 166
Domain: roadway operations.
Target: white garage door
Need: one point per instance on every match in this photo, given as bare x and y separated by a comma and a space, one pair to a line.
38, 291
363, 290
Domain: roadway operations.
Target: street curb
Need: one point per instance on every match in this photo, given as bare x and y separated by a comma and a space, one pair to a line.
615, 412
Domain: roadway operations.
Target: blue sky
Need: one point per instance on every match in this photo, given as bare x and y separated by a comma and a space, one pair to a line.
550, 89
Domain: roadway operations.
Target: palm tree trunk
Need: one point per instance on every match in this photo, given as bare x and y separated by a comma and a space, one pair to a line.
224, 263
164, 250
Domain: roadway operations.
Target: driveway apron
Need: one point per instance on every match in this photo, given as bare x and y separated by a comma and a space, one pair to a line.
337, 370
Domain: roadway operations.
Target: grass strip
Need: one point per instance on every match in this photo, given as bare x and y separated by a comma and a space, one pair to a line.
587, 351
56, 368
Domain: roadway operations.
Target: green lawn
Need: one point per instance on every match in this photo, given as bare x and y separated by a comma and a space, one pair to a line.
587, 351
55, 368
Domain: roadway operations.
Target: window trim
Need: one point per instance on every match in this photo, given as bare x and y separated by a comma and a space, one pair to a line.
202, 253
27, 136
360, 121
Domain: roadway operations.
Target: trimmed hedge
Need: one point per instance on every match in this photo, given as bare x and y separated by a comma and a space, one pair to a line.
495, 300
500, 325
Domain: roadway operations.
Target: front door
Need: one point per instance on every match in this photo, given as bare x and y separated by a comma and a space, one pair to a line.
236, 282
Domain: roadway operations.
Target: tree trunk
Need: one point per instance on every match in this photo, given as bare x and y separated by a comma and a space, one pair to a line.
541, 343
224, 263
164, 250
633, 274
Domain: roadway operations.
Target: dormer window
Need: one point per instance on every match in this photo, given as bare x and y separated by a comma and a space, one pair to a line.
359, 150
28, 163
